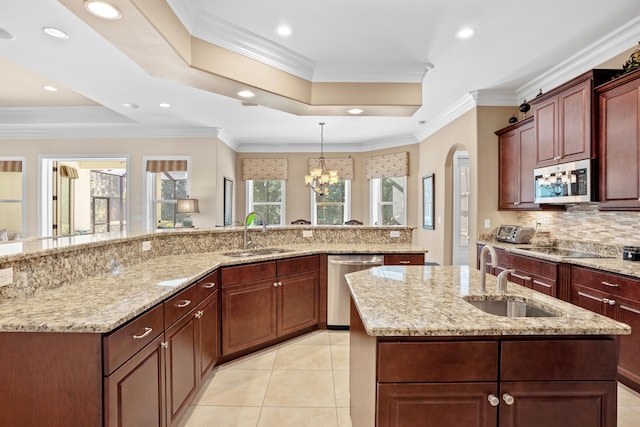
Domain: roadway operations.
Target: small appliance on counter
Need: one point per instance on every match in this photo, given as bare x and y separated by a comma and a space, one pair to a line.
631, 253
515, 234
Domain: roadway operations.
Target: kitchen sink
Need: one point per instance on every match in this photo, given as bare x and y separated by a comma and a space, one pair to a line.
255, 252
510, 306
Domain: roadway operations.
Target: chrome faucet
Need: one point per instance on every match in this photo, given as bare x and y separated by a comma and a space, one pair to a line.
245, 242
502, 280
483, 265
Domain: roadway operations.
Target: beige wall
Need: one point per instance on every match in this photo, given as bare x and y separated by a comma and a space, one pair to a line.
211, 160
299, 196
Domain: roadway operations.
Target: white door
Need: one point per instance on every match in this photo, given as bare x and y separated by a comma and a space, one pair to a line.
461, 195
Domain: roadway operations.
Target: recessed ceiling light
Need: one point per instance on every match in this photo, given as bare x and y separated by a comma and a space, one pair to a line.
355, 111
6, 35
130, 105
102, 9
465, 33
164, 105
50, 88
54, 32
246, 94
284, 30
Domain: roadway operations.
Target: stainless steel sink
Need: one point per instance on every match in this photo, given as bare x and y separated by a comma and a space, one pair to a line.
510, 307
255, 252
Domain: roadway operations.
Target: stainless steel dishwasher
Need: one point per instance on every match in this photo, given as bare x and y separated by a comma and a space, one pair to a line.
338, 295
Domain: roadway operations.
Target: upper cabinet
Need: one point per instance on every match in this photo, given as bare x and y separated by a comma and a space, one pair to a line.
620, 143
516, 160
565, 119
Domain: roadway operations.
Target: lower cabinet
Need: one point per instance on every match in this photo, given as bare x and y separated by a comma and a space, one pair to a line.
617, 297
404, 259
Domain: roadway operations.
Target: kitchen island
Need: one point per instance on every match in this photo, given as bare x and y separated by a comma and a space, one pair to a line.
422, 354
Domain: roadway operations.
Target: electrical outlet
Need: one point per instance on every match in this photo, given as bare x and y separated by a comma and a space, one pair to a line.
146, 245
307, 233
394, 233
6, 276
487, 223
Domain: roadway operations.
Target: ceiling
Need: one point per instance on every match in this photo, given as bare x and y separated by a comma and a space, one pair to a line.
518, 49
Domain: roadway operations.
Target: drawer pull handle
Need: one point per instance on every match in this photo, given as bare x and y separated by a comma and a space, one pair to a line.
611, 285
404, 262
493, 400
508, 399
209, 285
184, 303
146, 332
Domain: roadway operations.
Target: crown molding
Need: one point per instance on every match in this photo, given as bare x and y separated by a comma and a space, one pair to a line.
105, 132
494, 97
458, 108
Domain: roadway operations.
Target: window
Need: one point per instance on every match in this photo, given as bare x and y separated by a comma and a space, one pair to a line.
11, 199
108, 195
333, 209
267, 197
167, 181
389, 201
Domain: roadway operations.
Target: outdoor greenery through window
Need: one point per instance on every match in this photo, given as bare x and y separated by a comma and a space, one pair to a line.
267, 197
108, 195
11, 181
334, 208
389, 201
167, 188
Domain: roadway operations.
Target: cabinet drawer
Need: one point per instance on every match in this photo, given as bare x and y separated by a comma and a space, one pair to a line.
248, 273
297, 265
606, 282
179, 305
120, 345
404, 259
207, 286
559, 360
438, 361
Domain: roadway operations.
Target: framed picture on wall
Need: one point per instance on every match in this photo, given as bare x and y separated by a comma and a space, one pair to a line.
427, 201
228, 201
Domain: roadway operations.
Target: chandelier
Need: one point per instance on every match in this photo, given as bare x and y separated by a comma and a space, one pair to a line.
320, 179
556, 183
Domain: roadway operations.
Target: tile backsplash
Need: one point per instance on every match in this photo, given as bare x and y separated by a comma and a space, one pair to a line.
585, 223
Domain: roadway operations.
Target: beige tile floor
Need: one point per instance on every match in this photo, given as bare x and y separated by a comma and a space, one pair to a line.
303, 382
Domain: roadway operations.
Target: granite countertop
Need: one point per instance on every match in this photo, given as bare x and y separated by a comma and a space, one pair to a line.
102, 303
612, 263
427, 301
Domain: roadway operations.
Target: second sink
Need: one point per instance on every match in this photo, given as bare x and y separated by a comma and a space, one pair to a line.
509, 306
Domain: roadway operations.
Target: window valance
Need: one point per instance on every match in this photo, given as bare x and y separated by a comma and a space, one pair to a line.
68, 172
271, 169
11, 166
388, 165
344, 166
166, 166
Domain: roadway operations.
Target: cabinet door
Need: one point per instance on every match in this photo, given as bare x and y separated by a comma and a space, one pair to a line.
527, 145
182, 374
517, 159
591, 299
437, 405
135, 392
509, 170
297, 302
575, 122
558, 403
546, 123
248, 315
207, 328
620, 147
544, 285
628, 311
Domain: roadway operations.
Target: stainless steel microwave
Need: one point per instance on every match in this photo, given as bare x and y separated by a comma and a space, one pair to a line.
571, 182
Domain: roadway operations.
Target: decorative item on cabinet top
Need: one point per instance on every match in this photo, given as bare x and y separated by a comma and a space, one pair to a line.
633, 63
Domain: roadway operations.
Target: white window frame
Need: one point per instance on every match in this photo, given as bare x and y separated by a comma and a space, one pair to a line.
148, 193
250, 205
377, 203
23, 201
347, 203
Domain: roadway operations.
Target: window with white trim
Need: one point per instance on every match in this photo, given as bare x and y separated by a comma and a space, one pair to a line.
334, 208
267, 196
11, 199
167, 181
389, 201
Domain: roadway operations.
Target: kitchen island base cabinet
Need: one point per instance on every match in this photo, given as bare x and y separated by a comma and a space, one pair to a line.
501, 381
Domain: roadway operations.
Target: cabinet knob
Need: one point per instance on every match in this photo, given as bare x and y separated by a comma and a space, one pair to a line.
516, 203
508, 399
164, 345
275, 284
198, 314
612, 302
493, 400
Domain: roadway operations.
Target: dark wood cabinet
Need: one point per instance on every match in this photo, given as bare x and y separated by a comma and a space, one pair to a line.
208, 334
566, 118
262, 302
404, 259
516, 160
619, 172
617, 297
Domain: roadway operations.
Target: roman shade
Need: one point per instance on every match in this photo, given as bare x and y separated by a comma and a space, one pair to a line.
271, 169
388, 165
344, 166
11, 166
68, 172
157, 166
